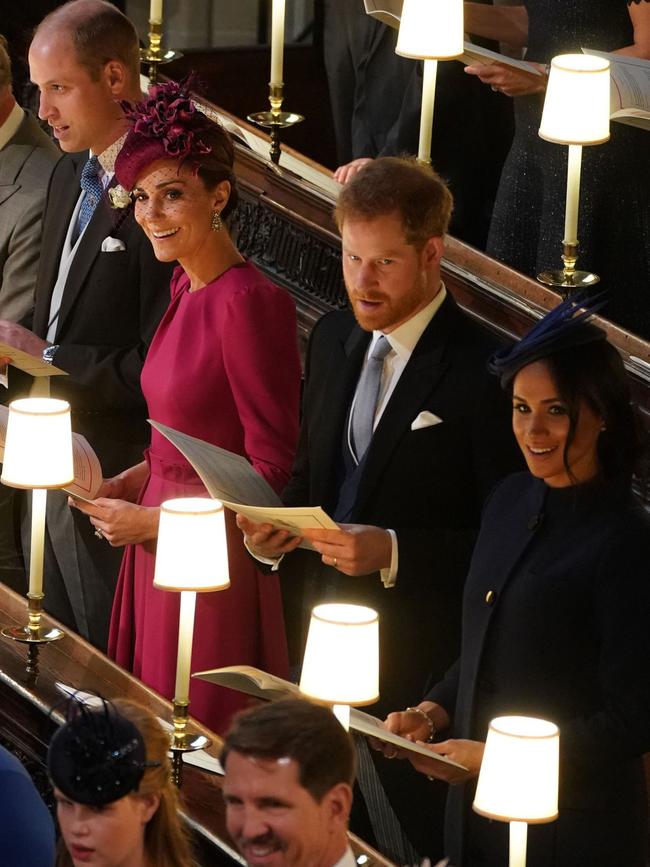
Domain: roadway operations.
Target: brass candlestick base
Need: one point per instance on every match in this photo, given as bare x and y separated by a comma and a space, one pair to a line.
33, 634
568, 278
276, 119
183, 740
153, 54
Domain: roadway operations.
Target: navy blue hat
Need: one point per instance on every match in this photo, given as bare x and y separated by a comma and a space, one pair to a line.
564, 327
98, 756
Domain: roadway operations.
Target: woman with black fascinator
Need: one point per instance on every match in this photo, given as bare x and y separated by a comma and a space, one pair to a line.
556, 610
116, 803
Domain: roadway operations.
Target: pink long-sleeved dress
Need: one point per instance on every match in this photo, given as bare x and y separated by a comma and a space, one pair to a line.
223, 366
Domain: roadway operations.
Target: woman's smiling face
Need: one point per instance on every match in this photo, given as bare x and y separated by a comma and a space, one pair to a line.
175, 210
541, 423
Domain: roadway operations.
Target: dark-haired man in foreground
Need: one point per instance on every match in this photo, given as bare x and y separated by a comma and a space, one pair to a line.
289, 769
404, 434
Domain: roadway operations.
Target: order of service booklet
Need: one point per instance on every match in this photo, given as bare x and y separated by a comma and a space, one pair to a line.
629, 88
231, 478
268, 687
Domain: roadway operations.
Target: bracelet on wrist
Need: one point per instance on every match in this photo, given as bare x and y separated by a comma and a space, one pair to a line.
425, 716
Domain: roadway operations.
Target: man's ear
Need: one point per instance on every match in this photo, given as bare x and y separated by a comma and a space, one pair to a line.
339, 803
116, 78
432, 251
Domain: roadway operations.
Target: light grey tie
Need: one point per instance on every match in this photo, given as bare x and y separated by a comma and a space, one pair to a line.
365, 404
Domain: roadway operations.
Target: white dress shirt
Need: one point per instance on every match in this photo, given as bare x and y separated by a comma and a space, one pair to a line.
403, 341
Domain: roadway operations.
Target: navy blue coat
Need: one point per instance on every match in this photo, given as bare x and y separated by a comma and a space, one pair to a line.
556, 618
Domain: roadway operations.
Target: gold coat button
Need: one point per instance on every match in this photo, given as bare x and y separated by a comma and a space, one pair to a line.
490, 597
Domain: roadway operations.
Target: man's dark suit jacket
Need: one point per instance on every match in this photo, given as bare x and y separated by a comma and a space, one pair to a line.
429, 486
111, 306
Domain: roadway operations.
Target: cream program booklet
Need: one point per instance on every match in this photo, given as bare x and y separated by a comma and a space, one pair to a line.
231, 478
629, 88
260, 684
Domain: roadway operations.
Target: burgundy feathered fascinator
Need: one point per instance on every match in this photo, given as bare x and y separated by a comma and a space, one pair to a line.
166, 125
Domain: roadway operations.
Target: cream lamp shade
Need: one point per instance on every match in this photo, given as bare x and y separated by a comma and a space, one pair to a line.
431, 29
341, 662
192, 552
38, 447
518, 781
576, 107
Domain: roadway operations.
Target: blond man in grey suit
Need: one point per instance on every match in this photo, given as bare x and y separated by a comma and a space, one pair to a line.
27, 158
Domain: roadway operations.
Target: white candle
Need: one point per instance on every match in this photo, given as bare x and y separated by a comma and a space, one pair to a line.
277, 41
39, 500
572, 195
185, 636
518, 840
342, 713
155, 11
426, 113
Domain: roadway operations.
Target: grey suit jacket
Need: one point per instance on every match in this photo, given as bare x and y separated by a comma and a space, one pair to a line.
26, 164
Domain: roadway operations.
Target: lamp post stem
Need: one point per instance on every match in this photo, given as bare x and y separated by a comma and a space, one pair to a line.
572, 195
185, 636
426, 112
37, 544
342, 713
518, 840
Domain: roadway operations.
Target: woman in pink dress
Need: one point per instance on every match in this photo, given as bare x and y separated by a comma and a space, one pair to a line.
223, 366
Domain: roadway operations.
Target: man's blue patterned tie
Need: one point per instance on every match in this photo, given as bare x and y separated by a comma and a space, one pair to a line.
93, 189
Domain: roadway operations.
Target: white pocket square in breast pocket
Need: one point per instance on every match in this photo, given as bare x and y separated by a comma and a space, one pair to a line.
113, 245
425, 419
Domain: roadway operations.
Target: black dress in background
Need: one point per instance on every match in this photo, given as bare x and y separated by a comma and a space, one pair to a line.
555, 625
614, 223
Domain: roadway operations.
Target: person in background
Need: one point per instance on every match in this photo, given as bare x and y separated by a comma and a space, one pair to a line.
556, 609
289, 768
26, 827
223, 366
27, 159
528, 218
376, 98
115, 801
100, 291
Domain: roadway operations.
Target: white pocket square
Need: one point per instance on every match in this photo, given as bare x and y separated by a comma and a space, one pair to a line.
113, 245
425, 419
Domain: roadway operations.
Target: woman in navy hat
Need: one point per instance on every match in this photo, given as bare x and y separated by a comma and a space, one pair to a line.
116, 803
556, 610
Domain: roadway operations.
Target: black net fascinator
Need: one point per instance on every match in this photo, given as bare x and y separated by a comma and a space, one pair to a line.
97, 756
564, 327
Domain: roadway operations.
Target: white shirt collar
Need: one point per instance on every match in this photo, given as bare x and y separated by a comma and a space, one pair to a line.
404, 338
348, 859
10, 127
